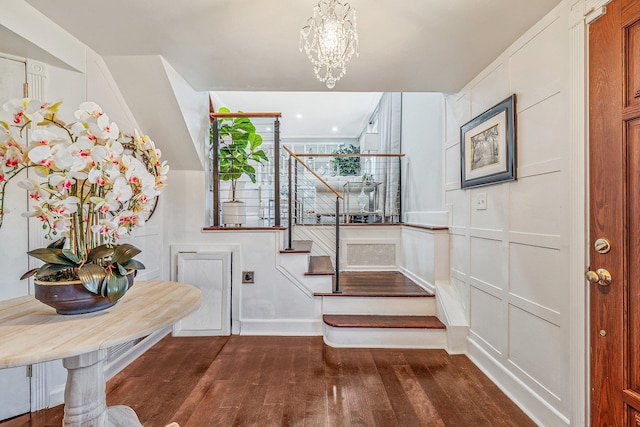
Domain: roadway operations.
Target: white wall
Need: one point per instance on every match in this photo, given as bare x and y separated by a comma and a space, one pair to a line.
272, 305
510, 262
74, 74
422, 129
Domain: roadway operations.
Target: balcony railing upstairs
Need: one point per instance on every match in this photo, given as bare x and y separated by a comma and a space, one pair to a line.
369, 184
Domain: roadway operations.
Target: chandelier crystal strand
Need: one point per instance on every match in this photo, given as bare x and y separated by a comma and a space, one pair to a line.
330, 40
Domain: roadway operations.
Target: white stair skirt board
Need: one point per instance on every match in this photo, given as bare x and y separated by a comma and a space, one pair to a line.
318, 284
296, 264
451, 313
407, 306
385, 337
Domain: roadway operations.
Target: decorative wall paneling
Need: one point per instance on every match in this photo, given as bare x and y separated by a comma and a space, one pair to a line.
515, 264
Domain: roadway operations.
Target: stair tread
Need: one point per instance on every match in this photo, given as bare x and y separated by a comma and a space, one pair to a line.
376, 294
378, 321
320, 265
298, 247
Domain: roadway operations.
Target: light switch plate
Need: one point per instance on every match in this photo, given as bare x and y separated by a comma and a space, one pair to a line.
480, 201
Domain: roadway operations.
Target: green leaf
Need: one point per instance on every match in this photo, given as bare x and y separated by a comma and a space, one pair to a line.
124, 253
100, 252
91, 276
133, 264
48, 269
255, 141
116, 287
224, 110
29, 273
58, 244
70, 255
53, 256
121, 270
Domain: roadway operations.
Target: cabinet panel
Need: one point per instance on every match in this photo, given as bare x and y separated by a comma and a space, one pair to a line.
211, 273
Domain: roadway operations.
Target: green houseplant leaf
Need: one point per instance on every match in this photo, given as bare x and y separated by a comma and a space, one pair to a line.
124, 253
115, 286
91, 276
101, 251
238, 147
52, 256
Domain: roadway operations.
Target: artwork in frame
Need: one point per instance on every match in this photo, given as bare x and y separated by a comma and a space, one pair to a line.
488, 146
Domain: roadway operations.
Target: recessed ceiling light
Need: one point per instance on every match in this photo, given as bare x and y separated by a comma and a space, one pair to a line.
298, 116
335, 129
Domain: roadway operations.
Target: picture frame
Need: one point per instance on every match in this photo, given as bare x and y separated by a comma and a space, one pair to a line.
488, 146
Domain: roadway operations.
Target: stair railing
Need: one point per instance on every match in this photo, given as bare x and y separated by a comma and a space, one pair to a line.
296, 207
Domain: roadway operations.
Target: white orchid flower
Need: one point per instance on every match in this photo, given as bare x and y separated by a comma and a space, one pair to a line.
36, 190
88, 111
78, 129
64, 159
41, 155
62, 225
121, 191
41, 212
103, 205
103, 129
45, 137
66, 206
12, 157
61, 181
24, 111
108, 229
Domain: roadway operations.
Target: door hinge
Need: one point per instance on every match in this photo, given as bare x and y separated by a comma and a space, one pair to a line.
29, 371
25, 90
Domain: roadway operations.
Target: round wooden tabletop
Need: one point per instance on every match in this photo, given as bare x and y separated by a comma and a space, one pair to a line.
31, 332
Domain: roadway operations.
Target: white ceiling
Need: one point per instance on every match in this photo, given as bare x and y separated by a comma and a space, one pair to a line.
308, 114
251, 47
405, 45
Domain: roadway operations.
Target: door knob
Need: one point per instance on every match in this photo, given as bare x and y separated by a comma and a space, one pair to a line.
601, 276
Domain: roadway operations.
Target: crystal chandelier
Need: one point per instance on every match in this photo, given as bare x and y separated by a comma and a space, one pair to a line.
330, 39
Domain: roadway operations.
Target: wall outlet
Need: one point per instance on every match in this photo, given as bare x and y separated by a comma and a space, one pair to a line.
247, 277
480, 201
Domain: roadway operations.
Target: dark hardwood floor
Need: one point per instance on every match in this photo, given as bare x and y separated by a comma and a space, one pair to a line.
377, 284
298, 381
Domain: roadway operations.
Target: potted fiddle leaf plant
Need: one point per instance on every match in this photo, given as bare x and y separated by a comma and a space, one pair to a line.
346, 165
91, 186
239, 151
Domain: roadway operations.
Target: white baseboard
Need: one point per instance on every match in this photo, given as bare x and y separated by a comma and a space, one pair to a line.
281, 327
423, 283
56, 396
540, 411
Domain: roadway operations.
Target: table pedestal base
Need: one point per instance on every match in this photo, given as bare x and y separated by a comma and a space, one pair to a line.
85, 397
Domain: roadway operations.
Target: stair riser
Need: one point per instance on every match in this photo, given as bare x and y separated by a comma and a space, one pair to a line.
385, 337
407, 306
296, 265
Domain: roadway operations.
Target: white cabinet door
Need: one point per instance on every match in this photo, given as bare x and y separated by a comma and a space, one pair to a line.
211, 273
15, 391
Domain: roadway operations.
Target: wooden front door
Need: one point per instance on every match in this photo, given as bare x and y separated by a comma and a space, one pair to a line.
614, 164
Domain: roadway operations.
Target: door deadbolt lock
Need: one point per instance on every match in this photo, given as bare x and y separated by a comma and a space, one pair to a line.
601, 276
602, 245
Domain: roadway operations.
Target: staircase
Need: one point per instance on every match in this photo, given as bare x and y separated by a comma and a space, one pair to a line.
373, 310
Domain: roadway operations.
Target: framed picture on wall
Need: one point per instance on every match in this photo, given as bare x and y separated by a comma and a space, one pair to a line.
488, 146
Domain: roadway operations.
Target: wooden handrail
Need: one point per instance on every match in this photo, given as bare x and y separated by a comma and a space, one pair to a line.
353, 155
234, 115
292, 154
